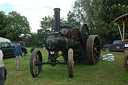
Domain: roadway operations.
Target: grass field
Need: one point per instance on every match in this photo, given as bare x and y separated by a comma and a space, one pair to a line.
103, 73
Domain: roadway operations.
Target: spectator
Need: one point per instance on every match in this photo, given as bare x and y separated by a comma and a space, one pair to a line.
32, 50
18, 54
2, 78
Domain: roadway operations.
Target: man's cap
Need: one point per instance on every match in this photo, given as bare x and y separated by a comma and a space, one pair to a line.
17, 42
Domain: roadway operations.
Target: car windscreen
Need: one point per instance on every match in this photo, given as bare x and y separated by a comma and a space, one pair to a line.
12, 44
5, 45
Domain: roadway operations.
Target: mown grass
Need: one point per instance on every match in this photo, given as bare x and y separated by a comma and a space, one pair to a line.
103, 73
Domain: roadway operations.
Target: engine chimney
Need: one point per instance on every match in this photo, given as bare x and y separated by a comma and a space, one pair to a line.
57, 20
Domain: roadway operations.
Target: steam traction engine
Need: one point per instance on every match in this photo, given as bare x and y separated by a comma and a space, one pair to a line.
75, 44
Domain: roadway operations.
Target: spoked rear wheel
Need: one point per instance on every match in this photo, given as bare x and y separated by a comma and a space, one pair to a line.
126, 63
35, 66
70, 63
93, 49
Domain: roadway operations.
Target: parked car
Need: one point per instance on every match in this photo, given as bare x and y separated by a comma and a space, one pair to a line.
8, 49
117, 45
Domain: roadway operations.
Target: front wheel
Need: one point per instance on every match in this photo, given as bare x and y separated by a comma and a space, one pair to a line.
126, 62
35, 60
70, 63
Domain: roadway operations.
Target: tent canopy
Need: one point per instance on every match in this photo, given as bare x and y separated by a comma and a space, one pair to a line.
121, 19
4, 39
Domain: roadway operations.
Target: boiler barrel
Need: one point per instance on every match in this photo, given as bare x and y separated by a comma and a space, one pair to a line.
56, 43
60, 43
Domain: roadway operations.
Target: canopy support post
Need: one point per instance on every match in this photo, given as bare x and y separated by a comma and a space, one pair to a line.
120, 32
123, 30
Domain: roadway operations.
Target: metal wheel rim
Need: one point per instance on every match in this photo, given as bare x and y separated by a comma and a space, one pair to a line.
96, 49
35, 66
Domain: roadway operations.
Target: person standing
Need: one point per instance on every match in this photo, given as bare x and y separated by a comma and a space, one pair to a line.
1, 68
18, 54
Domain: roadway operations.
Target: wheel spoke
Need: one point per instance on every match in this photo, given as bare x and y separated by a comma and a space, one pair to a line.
96, 42
97, 51
36, 56
94, 59
36, 70
127, 59
96, 56
93, 45
36, 63
97, 46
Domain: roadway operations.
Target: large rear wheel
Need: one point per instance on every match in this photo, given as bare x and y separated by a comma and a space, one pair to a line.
35, 66
93, 49
70, 63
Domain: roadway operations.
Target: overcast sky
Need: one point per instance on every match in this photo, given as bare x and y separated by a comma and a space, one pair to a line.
35, 10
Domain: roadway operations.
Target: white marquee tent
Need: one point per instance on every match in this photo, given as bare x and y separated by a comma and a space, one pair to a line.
4, 39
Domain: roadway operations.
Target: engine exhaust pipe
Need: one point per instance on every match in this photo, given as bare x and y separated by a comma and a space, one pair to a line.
57, 20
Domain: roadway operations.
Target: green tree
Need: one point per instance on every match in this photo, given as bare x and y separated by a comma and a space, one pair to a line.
110, 10
47, 28
3, 23
13, 26
48, 25
99, 16
85, 12
18, 25
32, 40
75, 16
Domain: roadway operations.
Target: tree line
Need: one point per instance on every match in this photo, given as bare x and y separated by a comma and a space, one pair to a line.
97, 14
13, 26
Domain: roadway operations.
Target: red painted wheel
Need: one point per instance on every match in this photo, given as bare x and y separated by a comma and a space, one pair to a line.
126, 63
93, 49
35, 67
